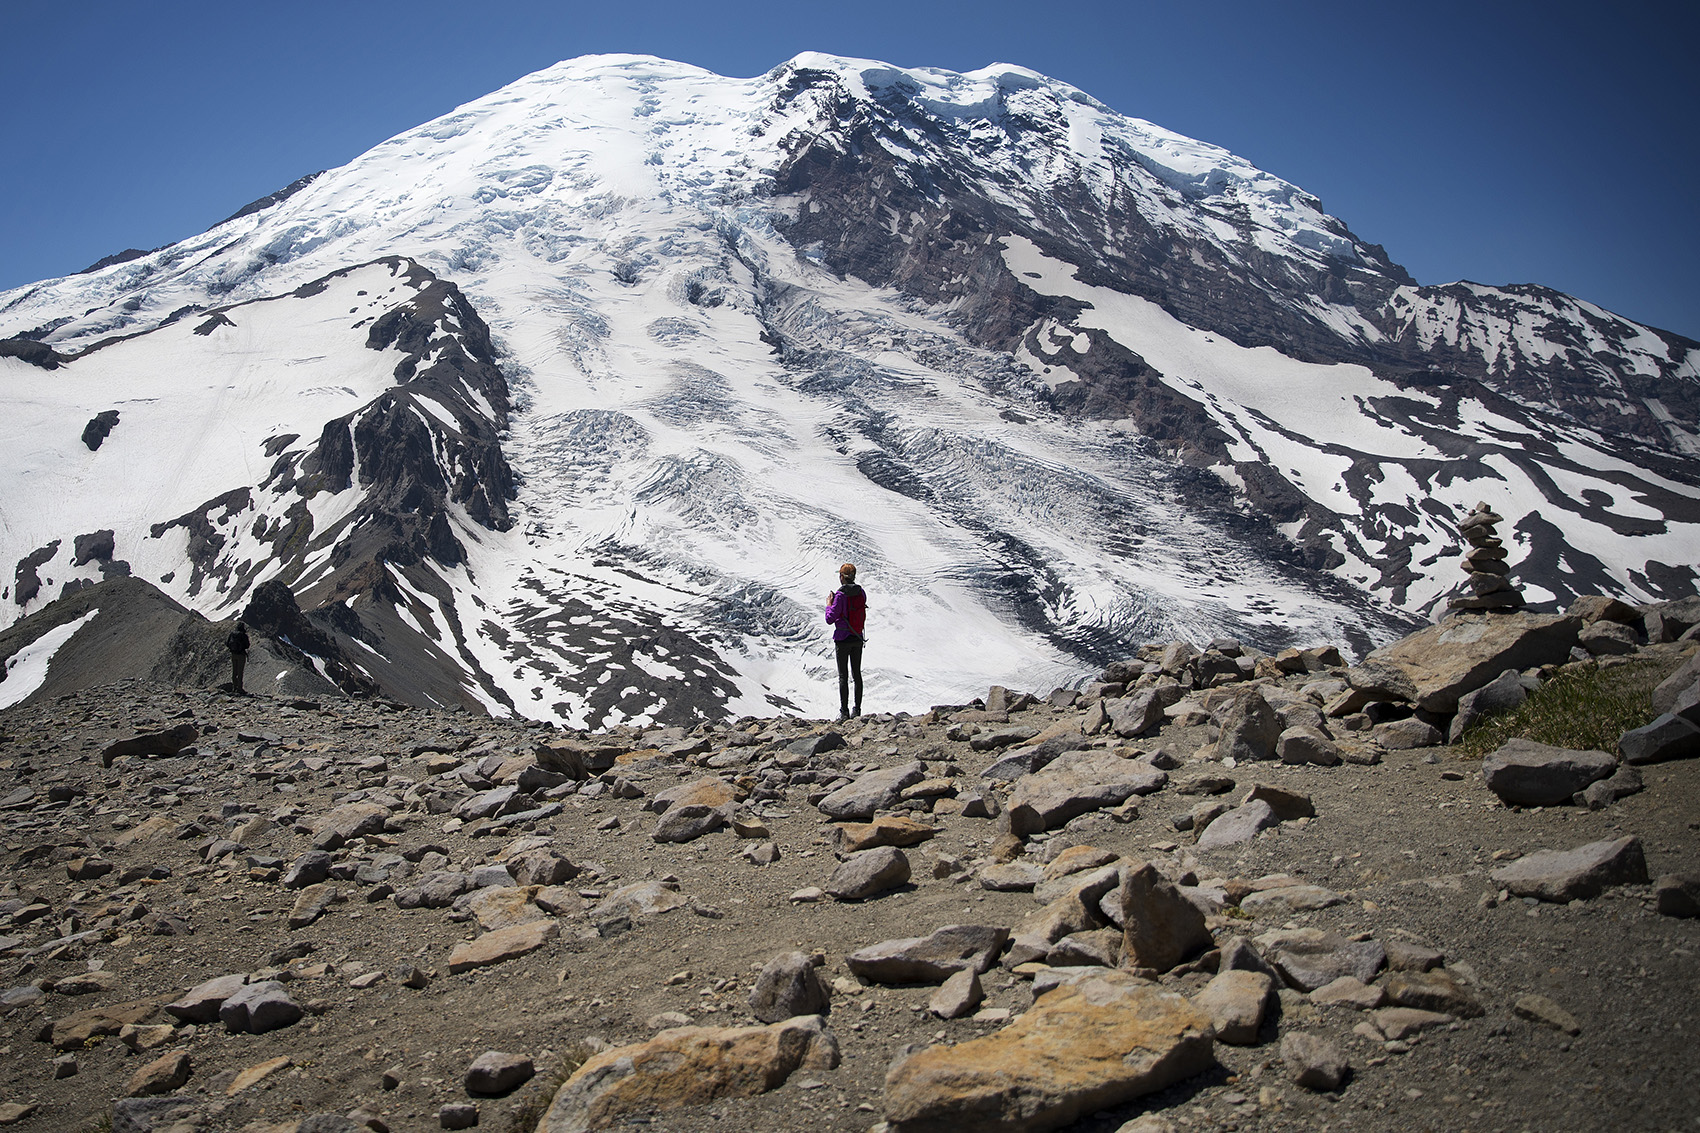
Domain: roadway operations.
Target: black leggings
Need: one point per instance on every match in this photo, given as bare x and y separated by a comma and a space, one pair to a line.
849, 661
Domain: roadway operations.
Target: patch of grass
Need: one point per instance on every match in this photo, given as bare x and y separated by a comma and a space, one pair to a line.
527, 1107
1583, 708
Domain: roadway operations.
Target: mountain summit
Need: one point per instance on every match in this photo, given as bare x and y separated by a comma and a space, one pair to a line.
567, 404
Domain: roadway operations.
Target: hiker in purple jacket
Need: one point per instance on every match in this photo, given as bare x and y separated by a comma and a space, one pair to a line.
846, 609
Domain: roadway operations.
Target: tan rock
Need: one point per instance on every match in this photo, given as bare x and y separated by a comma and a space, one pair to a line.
1235, 1002
688, 1066
74, 1031
146, 832
503, 944
503, 906
1161, 928
146, 1038
161, 1076
1086, 1046
884, 830
1466, 651
257, 1073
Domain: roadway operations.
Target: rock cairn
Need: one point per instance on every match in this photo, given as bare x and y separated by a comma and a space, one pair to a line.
1490, 578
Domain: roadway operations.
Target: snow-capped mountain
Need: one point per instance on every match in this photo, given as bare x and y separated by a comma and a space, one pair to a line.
569, 403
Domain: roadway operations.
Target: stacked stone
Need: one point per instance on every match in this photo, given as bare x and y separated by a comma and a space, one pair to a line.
1490, 581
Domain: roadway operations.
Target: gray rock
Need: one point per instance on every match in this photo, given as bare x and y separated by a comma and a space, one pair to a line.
1499, 696
1673, 686
148, 1115
931, 958
1075, 784
1160, 927
957, 996
457, 1115
688, 822
311, 904
1667, 737
871, 792
1437, 990
1139, 713
1003, 737
1005, 877
485, 876
201, 1004
1249, 730
258, 1008
436, 890
1312, 1062
1287, 805
1381, 681
869, 873
1016, 762
497, 1072
789, 985
1568, 875
1540, 1009
1403, 956
820, 744
541, 867
1306, 744
1290, 899
309, 869
1238, 825
1310, 958
1525, 773
1402, 735
492, 803
1604, 639
1235, 1001
1241, 955
1678, 894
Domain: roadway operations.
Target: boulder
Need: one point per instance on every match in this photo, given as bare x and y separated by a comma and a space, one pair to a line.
1312, 1062
640, 899
1667, 737
1238, 825
873, 791
1525, 773
1075, 784
932, 958
1382, 681
1673, 686
1310, 958
1306, 744
788, 986
1436, 990
258, 1008
1250, 729
496, 1072
1607, 639
348, 822
1466, 651
687, 1066
884, 830
1085, 1046
869, 874
1402, 735
502, 944
1567, 875
164, 1074
1677, 894
201, 1004
1287, 805
957, 996
1499, 696
1235, 1002
168, 742
1160, 927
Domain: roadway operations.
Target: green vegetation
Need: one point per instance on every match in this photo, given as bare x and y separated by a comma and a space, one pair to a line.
1583, 708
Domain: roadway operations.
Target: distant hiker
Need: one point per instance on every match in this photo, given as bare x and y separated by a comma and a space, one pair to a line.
846, 610
237, 643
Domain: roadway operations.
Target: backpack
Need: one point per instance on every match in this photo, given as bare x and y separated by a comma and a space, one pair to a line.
855, 608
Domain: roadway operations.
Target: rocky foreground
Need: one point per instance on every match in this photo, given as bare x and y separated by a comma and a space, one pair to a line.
1209, 891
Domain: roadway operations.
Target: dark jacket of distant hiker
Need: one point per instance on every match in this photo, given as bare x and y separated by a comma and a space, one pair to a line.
237, 643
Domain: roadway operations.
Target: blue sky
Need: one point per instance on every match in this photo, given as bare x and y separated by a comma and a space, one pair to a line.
1517, 142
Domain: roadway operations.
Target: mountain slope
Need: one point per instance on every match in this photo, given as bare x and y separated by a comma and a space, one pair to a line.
568, 403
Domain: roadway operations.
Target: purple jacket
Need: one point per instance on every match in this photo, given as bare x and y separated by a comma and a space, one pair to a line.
847, 611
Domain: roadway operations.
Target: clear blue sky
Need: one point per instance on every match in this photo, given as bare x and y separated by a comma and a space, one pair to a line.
1514, 142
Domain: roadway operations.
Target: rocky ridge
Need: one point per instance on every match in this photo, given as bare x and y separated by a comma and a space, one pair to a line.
1264, 874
